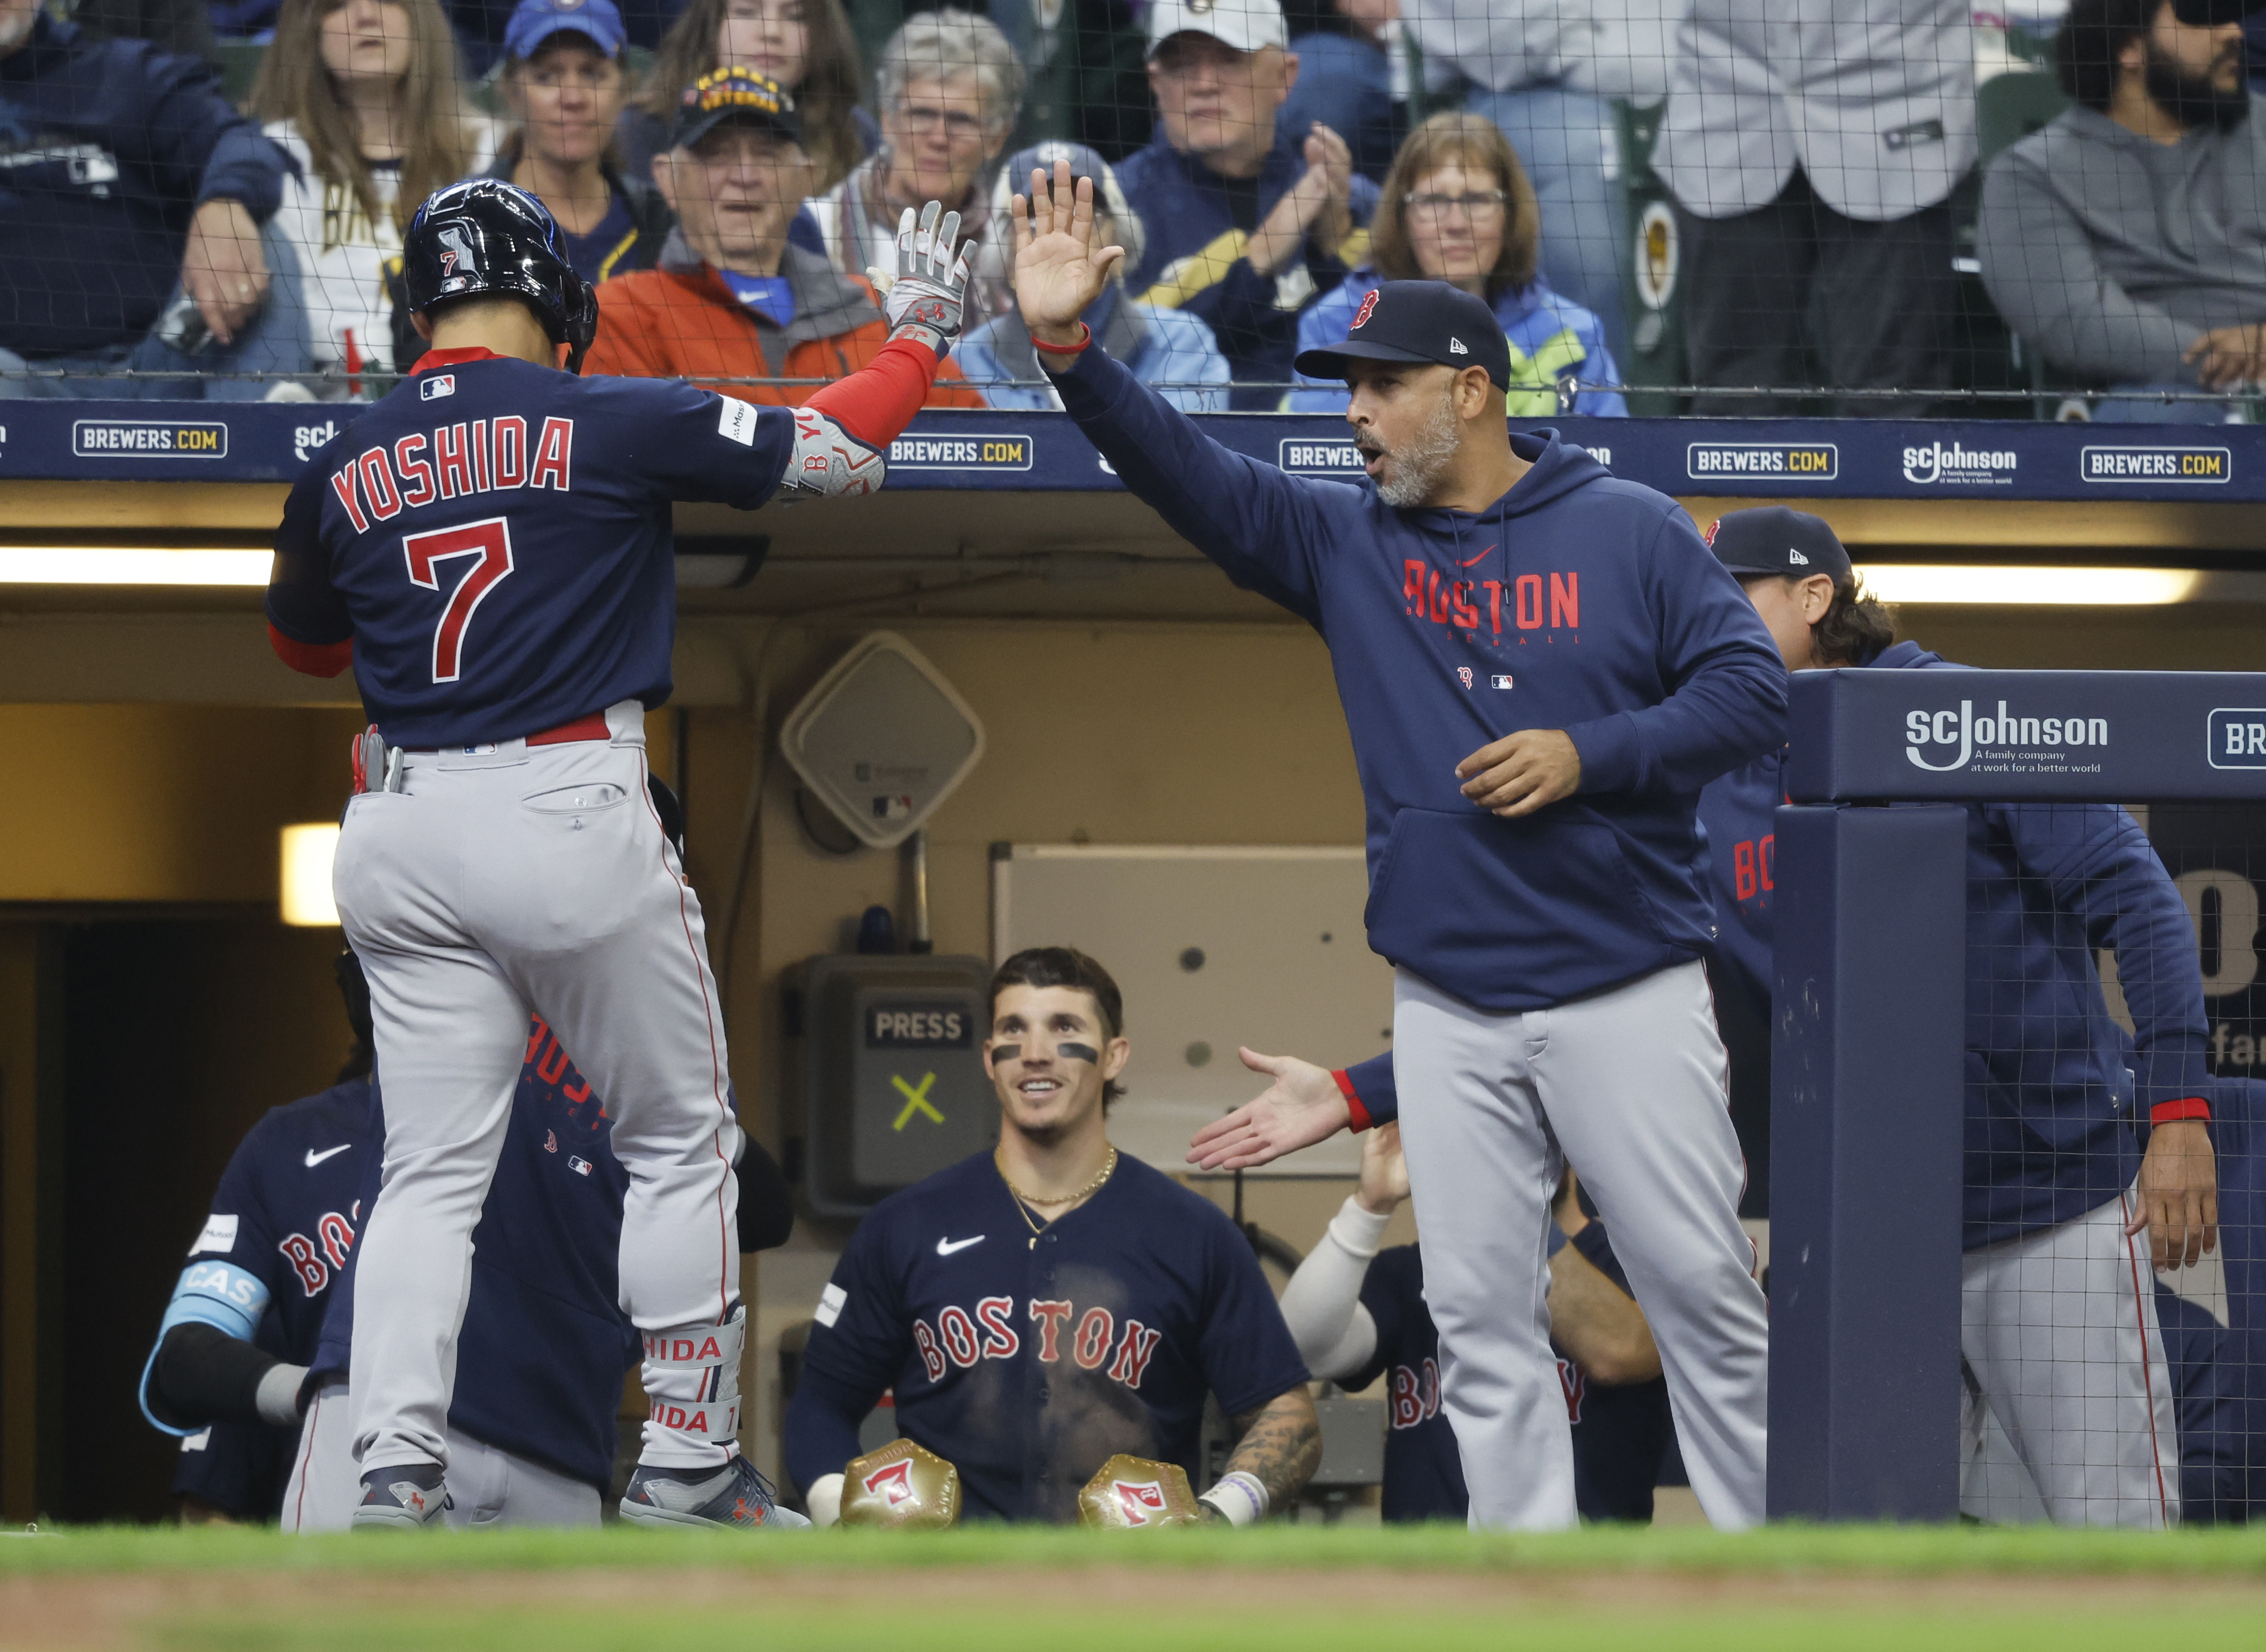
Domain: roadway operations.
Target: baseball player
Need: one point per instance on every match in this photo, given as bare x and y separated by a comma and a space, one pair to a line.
1044, 1307
544, 1347
541, 1364
1358, 1313
1540, 666
2077, 1143
488, 546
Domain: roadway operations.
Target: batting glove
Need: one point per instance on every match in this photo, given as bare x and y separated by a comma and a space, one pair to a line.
925, 295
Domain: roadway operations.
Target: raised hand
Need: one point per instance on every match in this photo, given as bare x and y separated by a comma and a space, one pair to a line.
926, 296
1059, 270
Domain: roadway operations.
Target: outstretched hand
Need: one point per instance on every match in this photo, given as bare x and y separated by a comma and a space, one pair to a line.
1302, 1106
1059, 270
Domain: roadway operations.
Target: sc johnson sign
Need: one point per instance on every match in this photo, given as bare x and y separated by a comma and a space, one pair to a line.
1940, 741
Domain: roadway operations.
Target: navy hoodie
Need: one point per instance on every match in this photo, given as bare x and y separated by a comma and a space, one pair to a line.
1576, 601
2055, 1095
106, 148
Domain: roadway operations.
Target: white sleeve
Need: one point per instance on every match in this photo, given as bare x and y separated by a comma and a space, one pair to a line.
1322, 1303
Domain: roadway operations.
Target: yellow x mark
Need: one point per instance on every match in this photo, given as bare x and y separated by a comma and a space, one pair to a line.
915, 1100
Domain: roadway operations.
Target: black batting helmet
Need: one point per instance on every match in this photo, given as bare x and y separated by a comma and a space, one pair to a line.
486, 237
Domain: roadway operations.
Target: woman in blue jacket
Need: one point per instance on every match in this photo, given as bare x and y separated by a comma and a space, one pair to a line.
1458, 208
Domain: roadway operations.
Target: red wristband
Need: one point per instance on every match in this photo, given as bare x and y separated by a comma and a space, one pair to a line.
1360, 1118
2176, 1112
1085, 338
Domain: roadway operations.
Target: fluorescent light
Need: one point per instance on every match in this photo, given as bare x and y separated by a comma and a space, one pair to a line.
307, 852
2028, 587
120, 565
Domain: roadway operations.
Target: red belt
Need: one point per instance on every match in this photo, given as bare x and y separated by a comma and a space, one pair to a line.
589, 728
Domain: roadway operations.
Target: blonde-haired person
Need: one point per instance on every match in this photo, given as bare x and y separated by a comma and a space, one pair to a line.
364, 95
1458, 208
806, 45
950, 88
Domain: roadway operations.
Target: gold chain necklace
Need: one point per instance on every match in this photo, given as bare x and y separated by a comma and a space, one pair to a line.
1024, 1201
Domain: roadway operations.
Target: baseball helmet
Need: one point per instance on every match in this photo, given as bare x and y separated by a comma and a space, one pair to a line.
485, 238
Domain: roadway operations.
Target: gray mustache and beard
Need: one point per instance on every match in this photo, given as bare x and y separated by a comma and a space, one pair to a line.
1413, 471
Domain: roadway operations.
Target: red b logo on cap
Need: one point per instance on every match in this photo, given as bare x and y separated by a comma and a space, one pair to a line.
1361, 316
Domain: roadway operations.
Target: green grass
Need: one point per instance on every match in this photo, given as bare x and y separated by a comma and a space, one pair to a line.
1787, 1589
1894, 1551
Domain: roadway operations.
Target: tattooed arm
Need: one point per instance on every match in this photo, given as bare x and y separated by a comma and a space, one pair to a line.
1279, 1445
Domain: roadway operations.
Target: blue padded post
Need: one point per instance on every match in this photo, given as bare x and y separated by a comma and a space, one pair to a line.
1866, 1090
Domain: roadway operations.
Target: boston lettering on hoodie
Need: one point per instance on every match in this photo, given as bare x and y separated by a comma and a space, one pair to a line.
1576, 601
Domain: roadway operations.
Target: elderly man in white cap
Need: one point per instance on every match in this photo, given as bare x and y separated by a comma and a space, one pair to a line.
1241, 228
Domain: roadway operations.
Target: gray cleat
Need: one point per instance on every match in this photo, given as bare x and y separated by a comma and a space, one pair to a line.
407, 1498
735, 1496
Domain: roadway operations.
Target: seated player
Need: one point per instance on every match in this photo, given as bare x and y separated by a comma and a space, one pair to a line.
731, 299
1046, 1307
544, 1346
1358, 1313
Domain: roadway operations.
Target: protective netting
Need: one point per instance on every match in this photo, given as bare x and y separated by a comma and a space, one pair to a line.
2112, 996
1846, 206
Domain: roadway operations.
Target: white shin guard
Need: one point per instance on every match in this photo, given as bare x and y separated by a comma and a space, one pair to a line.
692, 1376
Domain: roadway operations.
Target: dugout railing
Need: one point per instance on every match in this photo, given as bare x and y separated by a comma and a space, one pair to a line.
1869, 1022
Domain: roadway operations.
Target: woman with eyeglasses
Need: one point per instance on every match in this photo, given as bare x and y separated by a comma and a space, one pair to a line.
1458, 208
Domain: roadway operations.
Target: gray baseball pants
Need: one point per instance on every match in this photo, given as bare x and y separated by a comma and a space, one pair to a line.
1629, 1084
2061, 1347
489, 1488
501, 880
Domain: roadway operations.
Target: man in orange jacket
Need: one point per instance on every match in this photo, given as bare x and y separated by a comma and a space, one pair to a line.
731, 299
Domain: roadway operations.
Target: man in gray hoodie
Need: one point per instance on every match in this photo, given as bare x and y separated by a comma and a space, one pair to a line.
2126, 242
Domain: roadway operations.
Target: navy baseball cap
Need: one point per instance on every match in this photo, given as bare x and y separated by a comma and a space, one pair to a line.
2211, 14
734, 94
1772, 539
536, 21
1418, 321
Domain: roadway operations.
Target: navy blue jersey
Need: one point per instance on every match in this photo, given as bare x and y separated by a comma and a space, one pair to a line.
1027, 1364
2218, 1372
1621, 1432
544, 1344
1739, 811
286, 1211
494, 536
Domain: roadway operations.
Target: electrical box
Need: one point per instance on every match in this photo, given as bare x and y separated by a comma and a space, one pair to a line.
893, 1082
883, 739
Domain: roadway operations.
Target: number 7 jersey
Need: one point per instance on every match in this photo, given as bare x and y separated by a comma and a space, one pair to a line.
493, 539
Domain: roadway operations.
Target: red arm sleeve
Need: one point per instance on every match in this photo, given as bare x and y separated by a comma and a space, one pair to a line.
877, 402
316, 659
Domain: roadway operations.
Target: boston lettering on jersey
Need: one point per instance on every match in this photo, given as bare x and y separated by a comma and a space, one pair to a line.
957, 1337
315, 1260
478, 455
1426, 594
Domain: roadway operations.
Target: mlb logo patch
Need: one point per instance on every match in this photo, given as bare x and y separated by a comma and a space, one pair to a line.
580, 1167
892, 807
1498, 681
438, 385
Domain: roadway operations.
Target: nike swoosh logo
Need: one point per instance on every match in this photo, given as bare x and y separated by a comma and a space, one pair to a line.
314, 1158
946, 1247
1481, 557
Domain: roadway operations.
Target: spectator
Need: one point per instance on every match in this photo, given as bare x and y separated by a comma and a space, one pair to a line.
731, 299
1353, 76
564, 84
1168, 349
1243, 227
1812, 150
950, 88
363, 95
1458, 208
806, 45
1542, 69
131, 217
182, 27
2126, 242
